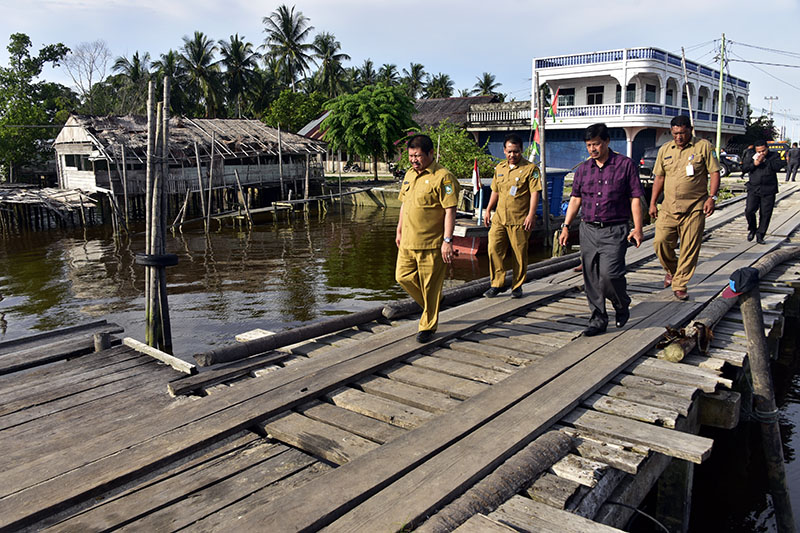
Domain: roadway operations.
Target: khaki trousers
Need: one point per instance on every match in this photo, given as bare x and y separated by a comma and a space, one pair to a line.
500, 238
421, 274
686, 228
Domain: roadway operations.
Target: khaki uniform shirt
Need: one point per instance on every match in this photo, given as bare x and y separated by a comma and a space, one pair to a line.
513, 188
425, 196
685, 191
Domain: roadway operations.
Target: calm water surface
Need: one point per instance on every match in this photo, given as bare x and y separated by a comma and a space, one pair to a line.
274, 277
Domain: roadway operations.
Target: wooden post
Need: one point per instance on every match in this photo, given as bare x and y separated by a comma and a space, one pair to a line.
280, 163
102, 341
125, 183
765, 410
307, 184
244, 198
166, 326
151, 138
543, 161
155, 236
201, 189
210, 181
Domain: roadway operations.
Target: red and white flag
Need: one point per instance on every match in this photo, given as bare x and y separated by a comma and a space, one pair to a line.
476, 178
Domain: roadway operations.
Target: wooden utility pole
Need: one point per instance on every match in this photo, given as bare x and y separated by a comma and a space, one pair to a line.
543, 162
719, 99
280, 163
686, 86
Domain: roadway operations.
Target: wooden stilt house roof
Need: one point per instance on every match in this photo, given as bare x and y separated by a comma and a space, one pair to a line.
233, 138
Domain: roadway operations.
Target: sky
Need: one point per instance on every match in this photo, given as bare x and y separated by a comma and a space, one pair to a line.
460, 38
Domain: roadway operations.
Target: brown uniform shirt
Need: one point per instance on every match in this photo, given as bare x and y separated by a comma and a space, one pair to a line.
425, 196
684, 191
513, 208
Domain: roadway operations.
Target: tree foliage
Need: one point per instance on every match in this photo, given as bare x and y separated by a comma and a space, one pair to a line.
369, 122
291, 111
287, 32
457, 151
25, 101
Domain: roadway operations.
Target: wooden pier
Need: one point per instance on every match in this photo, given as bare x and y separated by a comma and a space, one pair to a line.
508, 420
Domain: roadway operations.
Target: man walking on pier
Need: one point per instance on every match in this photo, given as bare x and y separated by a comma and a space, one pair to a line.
515, 193
429, 196
762, 186
792, 162
682, 171
607, 186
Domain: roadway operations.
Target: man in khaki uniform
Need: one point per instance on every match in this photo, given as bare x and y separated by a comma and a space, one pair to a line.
429, 196
515, 192
682, 171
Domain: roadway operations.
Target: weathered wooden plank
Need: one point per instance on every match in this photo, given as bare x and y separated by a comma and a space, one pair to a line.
657, 385
673, 443
475, 360
610, 454
519, 512
502, 354
435, 402
482, 524
700, 373
632, 410
509, 343
458, 369
456, 387
591, 502
317, 438
44, 338
580, 470
653, 398
178, 364
553, 490
389, 411
365, 426
223, 373
525, 337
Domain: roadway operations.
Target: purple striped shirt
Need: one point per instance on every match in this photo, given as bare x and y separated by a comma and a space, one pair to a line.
606, 191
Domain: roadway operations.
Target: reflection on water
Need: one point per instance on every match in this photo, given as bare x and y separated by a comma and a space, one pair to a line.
273, 277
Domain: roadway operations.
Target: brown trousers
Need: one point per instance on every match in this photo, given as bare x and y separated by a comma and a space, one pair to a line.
421, 274
502, 237
686, 228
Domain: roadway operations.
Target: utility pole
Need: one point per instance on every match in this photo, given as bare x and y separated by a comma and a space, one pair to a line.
771, 99
719, 98
783, 128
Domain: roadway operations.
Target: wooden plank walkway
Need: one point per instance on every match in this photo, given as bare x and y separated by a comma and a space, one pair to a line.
366, 430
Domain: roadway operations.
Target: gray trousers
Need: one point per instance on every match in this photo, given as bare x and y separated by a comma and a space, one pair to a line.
603, 258
791, 170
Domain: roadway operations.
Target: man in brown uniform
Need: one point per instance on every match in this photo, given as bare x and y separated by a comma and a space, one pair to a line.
682, 171
429, 197
515, 192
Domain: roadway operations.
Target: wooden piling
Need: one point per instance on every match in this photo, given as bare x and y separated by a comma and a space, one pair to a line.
244, 198
151, 138
765, 410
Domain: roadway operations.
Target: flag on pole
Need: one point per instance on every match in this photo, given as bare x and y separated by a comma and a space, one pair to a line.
476, 178
554, 104
536, 140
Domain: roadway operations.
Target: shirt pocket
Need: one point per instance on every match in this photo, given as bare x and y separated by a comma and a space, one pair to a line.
426, 196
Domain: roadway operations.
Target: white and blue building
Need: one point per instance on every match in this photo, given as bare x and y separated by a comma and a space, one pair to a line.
635, 91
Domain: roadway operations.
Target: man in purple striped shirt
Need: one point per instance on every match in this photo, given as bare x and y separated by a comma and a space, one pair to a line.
607, 189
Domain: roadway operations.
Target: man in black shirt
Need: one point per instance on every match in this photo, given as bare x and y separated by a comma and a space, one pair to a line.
762, 187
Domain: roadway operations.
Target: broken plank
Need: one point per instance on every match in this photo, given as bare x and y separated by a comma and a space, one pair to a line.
365, 426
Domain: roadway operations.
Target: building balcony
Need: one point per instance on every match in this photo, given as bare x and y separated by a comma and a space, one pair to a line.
507, 116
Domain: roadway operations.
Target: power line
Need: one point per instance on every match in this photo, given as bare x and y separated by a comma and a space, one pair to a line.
765, 63
770, 75
783, 52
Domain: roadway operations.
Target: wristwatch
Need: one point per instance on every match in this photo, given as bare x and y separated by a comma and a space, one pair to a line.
448, 240
564, 225
714, 197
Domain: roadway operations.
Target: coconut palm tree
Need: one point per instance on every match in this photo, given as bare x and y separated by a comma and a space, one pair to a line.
287, 32
439, 86
486, 85
240, 62
202, 70
367, 74
331, 73
170, 65
388, 75
414, 79
134, 73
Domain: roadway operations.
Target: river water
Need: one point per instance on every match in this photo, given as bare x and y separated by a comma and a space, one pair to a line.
282, 275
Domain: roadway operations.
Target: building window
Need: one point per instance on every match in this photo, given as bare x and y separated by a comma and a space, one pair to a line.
650, 93
670, 97
700, 102
80, 162
630, 93
566, 97
684, 101
594, 95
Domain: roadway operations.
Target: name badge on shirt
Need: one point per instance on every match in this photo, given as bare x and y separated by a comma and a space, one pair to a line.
690, 170
512, 191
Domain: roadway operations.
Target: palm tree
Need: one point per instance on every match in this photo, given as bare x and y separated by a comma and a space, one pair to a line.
388, 74
367, 74
240, 62
486, 85
136, 69
331, 73
170, 65
464, 92
134, 73
286, 33
439, 86
262, 91
414, 79
201, 69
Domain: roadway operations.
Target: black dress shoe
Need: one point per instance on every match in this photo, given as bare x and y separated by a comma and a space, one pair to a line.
517, 293
492, 292
622, 318
424, 336
760, 239
751, 235
591, 331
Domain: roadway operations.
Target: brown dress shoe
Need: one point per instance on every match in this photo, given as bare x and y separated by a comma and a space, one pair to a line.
681, 295
667, 280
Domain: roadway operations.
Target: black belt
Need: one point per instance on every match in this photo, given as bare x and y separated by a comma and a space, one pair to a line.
605, 224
